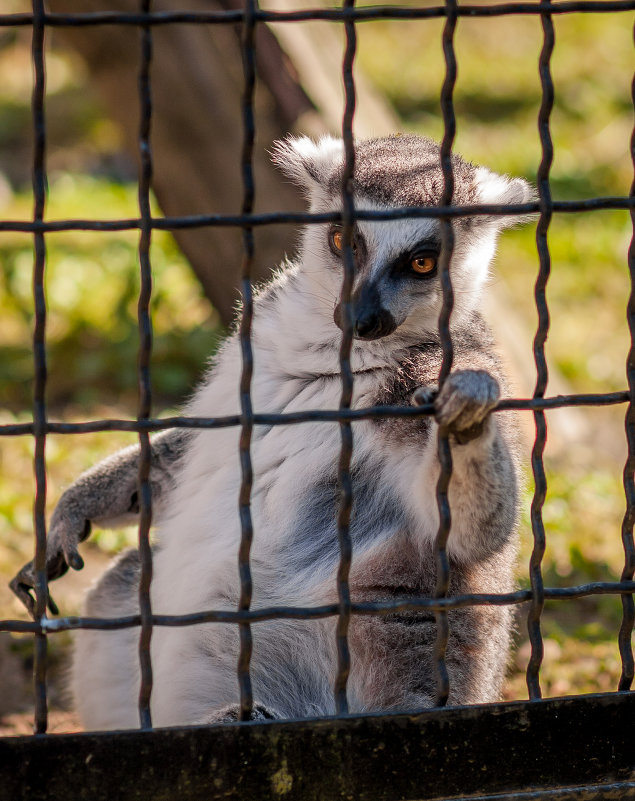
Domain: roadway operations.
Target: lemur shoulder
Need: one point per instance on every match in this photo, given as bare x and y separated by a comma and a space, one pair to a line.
195, 475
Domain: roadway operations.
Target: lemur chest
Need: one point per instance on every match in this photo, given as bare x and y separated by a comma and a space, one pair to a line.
296, 494
297, 498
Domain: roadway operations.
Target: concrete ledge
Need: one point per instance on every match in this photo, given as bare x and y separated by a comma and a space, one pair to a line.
573, 748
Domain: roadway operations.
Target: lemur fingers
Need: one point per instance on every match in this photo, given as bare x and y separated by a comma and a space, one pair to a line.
107, 495
68, 528
23, 585
464, 402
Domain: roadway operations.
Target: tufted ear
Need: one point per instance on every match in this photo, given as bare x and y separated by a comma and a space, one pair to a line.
306, 162
501, 189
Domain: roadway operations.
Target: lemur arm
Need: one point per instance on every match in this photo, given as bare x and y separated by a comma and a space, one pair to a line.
484, 486
106, 494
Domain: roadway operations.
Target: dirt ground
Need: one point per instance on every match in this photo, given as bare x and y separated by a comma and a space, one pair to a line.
16, 657
16, 680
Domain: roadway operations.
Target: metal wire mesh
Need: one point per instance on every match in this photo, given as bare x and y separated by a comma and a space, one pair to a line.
246, 644
542, 376
244, 617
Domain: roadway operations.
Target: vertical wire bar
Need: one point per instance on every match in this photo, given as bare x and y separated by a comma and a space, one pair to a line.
346, 431
443, 444
39, 363
145, 388
247, 423
628, 606
542, 373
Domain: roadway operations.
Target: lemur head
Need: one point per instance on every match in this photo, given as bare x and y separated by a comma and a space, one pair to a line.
397, 289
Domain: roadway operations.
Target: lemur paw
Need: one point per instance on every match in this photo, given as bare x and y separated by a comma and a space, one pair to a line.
464, 402
68, 528
231, 714
23, 585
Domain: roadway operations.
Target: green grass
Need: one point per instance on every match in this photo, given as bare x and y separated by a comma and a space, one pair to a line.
92, 286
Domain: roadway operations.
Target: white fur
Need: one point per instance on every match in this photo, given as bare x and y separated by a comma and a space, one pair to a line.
295, 344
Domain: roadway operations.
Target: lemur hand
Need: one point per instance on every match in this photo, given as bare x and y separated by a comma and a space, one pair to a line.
464, 402
106, 494
69, 526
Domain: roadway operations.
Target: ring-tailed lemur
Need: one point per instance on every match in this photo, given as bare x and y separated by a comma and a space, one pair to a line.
196, 475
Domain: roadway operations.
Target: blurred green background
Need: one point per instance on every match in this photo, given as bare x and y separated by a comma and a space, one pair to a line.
92, 283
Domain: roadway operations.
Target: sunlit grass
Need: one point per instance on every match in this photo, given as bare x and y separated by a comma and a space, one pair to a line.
92, 287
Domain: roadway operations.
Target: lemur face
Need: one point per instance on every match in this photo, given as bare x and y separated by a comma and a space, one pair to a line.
396, 274
396, 290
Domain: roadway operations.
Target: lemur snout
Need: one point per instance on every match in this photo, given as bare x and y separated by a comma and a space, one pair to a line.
373, 323
370, 319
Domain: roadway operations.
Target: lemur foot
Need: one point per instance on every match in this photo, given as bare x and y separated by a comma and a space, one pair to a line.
463, 404
231, 714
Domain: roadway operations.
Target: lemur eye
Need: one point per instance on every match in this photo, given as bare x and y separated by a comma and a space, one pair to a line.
423, 265
336, 241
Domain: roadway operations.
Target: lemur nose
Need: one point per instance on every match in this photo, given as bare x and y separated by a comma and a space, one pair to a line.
367, 325
373, 323
370, 319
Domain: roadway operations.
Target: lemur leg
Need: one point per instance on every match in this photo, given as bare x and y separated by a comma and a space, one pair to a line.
105, 668
107, 495
483, 489
105, 671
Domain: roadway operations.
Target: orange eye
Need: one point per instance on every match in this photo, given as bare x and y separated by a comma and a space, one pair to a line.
423, 264
336, 241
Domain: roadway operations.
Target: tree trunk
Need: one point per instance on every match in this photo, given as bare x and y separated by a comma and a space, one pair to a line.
196, 132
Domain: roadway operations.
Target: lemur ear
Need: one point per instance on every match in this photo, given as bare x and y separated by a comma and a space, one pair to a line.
501, 189
306, 162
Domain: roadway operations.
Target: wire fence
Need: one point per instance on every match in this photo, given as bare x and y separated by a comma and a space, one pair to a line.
249, 17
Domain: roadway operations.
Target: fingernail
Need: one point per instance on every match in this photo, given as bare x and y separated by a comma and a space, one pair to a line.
53, 608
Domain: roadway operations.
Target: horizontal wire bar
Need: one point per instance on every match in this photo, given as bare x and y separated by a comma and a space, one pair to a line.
285, 218
381, 608
308, 416
360, 14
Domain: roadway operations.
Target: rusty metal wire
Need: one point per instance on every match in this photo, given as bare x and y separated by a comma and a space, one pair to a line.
318, 612
330, 15
542, 375
39, 363
345, 481
443, 445
299, 218
247, 423
628, 606
145, 388
244, 617
308, 416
